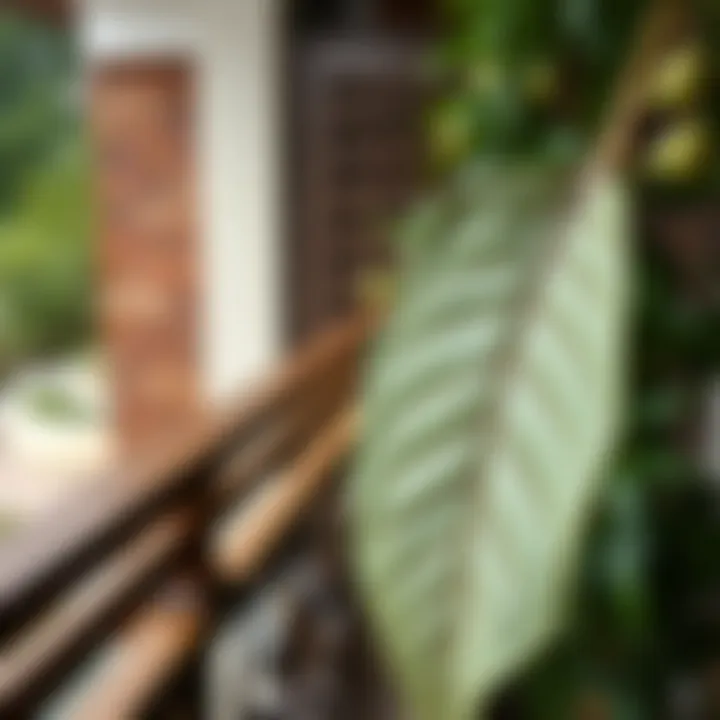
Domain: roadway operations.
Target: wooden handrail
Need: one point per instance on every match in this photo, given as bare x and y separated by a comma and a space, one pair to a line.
144, 658
35, 566
67, 584
292, 432
161, 640
82, 620
271, 517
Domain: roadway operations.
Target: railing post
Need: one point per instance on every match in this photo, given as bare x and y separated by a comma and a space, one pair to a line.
195, 589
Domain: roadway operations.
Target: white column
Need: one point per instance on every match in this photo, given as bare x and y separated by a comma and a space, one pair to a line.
235, 47
241, 141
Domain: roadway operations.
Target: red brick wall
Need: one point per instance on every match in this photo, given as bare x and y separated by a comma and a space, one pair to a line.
142, 121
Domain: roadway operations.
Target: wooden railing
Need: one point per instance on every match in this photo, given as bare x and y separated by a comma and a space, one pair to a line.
136, 561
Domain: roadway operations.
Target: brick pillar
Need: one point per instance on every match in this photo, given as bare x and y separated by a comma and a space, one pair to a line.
142, 116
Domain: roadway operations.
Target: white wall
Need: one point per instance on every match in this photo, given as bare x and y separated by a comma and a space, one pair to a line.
235, 46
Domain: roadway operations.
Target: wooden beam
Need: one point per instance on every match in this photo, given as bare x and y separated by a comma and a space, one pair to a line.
146, 657
288, 434
32, 663
260, 529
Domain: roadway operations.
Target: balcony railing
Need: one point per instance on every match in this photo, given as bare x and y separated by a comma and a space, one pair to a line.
136, 561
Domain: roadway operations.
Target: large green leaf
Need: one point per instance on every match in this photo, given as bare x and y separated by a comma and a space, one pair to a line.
490, 410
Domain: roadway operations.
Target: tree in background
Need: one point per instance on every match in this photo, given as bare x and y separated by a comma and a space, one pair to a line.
45, 303
36, 112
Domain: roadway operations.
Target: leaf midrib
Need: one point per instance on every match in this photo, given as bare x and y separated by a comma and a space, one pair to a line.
508, 357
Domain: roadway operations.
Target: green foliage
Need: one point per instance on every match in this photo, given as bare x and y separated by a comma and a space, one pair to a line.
45, 293
44, 230
528, 75
491, 409
35, 100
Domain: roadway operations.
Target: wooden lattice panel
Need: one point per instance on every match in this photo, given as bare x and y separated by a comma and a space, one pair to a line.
359, 161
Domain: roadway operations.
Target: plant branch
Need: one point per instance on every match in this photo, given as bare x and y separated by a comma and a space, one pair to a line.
660, 28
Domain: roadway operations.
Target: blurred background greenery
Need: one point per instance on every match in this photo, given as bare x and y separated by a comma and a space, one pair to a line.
45, 293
